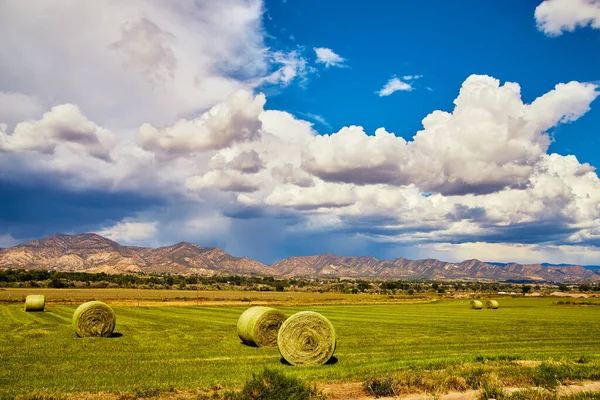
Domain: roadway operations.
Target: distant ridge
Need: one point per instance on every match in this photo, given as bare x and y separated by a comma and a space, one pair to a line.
590, 267
329, 265
90, 252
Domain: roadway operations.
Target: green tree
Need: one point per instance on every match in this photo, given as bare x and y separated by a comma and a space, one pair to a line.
363, 285
55, 282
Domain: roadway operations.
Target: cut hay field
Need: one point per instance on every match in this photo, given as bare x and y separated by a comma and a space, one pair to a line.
186, 348
150, 297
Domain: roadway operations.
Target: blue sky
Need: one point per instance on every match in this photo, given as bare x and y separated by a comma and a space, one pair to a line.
252, 125
440, 41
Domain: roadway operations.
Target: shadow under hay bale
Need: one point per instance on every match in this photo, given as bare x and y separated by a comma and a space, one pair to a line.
332, 361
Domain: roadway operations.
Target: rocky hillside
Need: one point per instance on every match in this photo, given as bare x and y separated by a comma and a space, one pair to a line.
329, 265
187, 258
90, 252
93, 253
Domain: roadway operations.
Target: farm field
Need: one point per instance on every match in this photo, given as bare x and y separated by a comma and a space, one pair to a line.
187, 348
149, 297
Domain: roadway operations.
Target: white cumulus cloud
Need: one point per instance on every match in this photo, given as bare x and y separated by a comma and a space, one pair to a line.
229, 181
64, 125
491, 140
234, 120
328, 57
137, 62
248, 162
129, 231
394, 85
513, 252
554, 17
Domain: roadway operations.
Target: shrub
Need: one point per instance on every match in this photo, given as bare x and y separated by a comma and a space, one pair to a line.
583, 359
380, 387
499, 357
273, 385
550, 376
457, 383
145, 392
583, 396
534, 394
421, 382
38, 396
214, 396
492, 389
475, 377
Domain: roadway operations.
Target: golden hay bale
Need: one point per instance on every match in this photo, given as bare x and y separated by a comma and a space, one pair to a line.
94, 318
493, 304
306, 338
35, 302
476, 305
259, 326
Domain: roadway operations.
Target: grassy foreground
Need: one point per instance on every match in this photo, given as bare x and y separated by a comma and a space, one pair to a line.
192, 347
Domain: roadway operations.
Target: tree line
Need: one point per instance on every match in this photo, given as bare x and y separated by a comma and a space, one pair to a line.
58, 279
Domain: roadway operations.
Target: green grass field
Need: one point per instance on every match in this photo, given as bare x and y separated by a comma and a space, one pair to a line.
197, 347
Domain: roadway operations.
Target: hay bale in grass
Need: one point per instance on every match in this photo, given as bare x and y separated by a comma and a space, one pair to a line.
35, 302
94, 318
258, 326
306, 338
493, 304
476, 305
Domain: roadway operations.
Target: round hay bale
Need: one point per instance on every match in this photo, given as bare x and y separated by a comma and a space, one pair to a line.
35, 302
306, 338
476, 305
94, 318
258, 326
493, 304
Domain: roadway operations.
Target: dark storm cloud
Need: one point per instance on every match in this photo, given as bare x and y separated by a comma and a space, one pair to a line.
29, 212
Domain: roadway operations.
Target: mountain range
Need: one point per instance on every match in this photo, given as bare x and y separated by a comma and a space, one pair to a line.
90, 252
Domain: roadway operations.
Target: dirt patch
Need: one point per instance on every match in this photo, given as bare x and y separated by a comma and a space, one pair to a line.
343, 391
528, 363
564, 294
590, 386
354, 391
333, 391
171, 395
